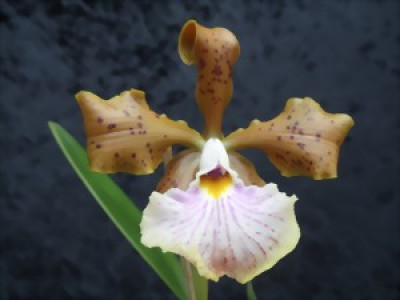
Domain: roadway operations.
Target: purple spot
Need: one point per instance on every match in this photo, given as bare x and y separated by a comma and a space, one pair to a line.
217, 70
202, 63
111, 125
301, 145
217, 172
100, 120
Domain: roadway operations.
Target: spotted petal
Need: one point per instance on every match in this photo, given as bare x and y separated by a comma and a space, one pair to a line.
302, 140
125, 135
214, 51
220, 225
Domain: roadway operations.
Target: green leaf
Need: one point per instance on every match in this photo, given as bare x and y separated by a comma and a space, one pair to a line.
251, 295
121, 210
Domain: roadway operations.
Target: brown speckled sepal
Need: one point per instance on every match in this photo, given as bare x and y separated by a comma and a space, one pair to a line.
214, 51
302, 140
124, 135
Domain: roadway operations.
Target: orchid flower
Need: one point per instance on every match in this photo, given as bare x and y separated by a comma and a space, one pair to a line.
212, 207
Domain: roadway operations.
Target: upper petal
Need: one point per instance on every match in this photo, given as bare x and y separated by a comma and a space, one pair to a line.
214, 51
302, 140
124, 135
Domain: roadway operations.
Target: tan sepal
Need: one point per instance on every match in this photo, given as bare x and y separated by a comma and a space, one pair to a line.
124, 135
181, 171
245, 169
302, 140
214, 51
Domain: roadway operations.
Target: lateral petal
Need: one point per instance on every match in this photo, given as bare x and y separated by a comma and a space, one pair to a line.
124, 135
245, 169
181, 171
302, 140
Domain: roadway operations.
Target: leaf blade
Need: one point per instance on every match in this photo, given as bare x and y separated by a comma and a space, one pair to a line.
121, 210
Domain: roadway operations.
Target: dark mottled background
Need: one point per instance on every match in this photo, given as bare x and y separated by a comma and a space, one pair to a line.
56, 242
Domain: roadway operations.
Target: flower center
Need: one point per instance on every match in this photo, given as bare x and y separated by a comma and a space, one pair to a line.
216, 182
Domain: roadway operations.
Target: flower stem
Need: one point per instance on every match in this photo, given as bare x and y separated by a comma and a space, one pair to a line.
187, 271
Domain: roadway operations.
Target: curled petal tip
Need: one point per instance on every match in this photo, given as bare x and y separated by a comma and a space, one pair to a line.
187, 39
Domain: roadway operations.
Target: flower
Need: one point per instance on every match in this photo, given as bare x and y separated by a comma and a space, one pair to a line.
211, 206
